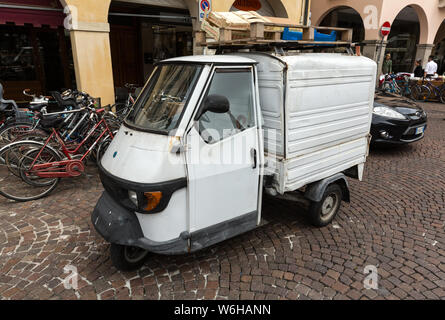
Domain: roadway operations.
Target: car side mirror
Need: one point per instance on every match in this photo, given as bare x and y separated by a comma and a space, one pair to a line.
214, 103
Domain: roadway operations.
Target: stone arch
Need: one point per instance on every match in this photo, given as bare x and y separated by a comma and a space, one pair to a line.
440, 34
356, 22
421, 15
277, 6
409, 29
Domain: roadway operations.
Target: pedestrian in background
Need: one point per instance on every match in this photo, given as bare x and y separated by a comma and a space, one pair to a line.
418, 71
431, 68
387, 64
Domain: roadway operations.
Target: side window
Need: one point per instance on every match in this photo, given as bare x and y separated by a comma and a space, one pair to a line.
237, 86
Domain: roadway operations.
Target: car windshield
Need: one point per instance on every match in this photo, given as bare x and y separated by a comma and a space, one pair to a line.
161, 104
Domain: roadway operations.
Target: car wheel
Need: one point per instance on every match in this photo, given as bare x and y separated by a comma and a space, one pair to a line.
323, 212
127, 258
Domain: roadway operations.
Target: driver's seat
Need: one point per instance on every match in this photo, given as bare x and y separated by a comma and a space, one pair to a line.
6, 103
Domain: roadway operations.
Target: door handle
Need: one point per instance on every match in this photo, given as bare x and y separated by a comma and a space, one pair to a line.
254, 157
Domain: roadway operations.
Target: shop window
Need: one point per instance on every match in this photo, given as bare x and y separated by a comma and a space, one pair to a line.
17, 61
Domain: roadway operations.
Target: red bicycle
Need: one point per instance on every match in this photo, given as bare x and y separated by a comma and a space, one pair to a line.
30, 170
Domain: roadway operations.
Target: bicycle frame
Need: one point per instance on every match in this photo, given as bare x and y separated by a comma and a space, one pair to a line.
45, 170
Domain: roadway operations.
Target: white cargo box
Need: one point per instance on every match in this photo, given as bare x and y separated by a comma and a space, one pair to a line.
317, 112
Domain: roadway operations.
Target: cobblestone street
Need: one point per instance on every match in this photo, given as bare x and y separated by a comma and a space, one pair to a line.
395, 221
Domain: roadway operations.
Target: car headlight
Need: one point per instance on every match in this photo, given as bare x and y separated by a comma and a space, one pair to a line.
388, 113
148, 201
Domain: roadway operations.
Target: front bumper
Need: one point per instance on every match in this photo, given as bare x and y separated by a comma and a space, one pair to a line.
118, 225
400, 131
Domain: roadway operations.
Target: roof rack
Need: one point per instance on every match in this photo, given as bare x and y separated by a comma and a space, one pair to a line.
261, 35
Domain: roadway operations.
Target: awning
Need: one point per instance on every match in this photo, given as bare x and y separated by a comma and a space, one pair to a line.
37, 16
179, 4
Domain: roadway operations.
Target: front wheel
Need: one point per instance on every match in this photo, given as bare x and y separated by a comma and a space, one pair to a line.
323, 212
442, 96
127, 258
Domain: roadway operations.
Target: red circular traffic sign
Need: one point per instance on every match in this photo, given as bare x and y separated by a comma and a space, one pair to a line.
386, 29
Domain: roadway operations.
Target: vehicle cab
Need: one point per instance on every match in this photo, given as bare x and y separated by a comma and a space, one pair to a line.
183, 172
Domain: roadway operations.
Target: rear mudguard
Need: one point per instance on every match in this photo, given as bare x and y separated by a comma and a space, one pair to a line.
316, 190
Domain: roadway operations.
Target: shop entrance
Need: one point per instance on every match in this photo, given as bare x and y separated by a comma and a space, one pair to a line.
143, 35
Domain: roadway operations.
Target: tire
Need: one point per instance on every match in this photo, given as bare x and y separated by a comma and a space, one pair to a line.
126, 258
442, 96
20, 187
323, 212
421, 93
102, 148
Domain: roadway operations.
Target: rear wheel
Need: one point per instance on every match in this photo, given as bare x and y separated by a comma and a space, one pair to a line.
127, 258
442, 96
323, 212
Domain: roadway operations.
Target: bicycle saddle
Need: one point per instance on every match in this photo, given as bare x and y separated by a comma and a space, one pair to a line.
51, 121
64, 103
4, 104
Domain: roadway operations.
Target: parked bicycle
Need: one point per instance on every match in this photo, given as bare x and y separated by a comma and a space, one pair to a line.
122, 109
396, 83
30, 169
426, 90
67, 101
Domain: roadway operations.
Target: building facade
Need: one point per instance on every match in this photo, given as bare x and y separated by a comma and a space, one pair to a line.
103, 44
417, 28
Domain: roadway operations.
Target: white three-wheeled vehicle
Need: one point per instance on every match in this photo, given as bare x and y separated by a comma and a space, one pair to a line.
210, 134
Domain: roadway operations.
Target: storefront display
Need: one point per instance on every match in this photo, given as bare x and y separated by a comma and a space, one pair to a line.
35, 49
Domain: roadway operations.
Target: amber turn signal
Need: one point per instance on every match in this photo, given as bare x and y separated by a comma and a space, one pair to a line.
153, 199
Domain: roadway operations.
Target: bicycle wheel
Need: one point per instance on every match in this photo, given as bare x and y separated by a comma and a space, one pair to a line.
407, 92
421, 93
103, 146
14, 132
442, 95
26, 185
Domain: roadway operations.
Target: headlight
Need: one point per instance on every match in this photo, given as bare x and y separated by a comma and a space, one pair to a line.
148, 201
388, 113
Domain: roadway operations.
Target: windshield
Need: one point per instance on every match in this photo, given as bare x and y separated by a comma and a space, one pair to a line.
161, 104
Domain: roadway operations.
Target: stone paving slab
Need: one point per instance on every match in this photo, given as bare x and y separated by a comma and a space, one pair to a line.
395, 222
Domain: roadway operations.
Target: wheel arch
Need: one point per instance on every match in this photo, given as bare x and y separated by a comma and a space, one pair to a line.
316, 190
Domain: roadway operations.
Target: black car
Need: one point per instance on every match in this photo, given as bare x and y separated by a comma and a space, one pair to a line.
397, 120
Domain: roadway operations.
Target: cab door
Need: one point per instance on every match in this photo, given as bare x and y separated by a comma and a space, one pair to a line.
223, 161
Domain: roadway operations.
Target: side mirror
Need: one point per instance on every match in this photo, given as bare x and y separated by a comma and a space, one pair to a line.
214, 103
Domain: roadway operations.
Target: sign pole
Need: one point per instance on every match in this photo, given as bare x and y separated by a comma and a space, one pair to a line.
384, 31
